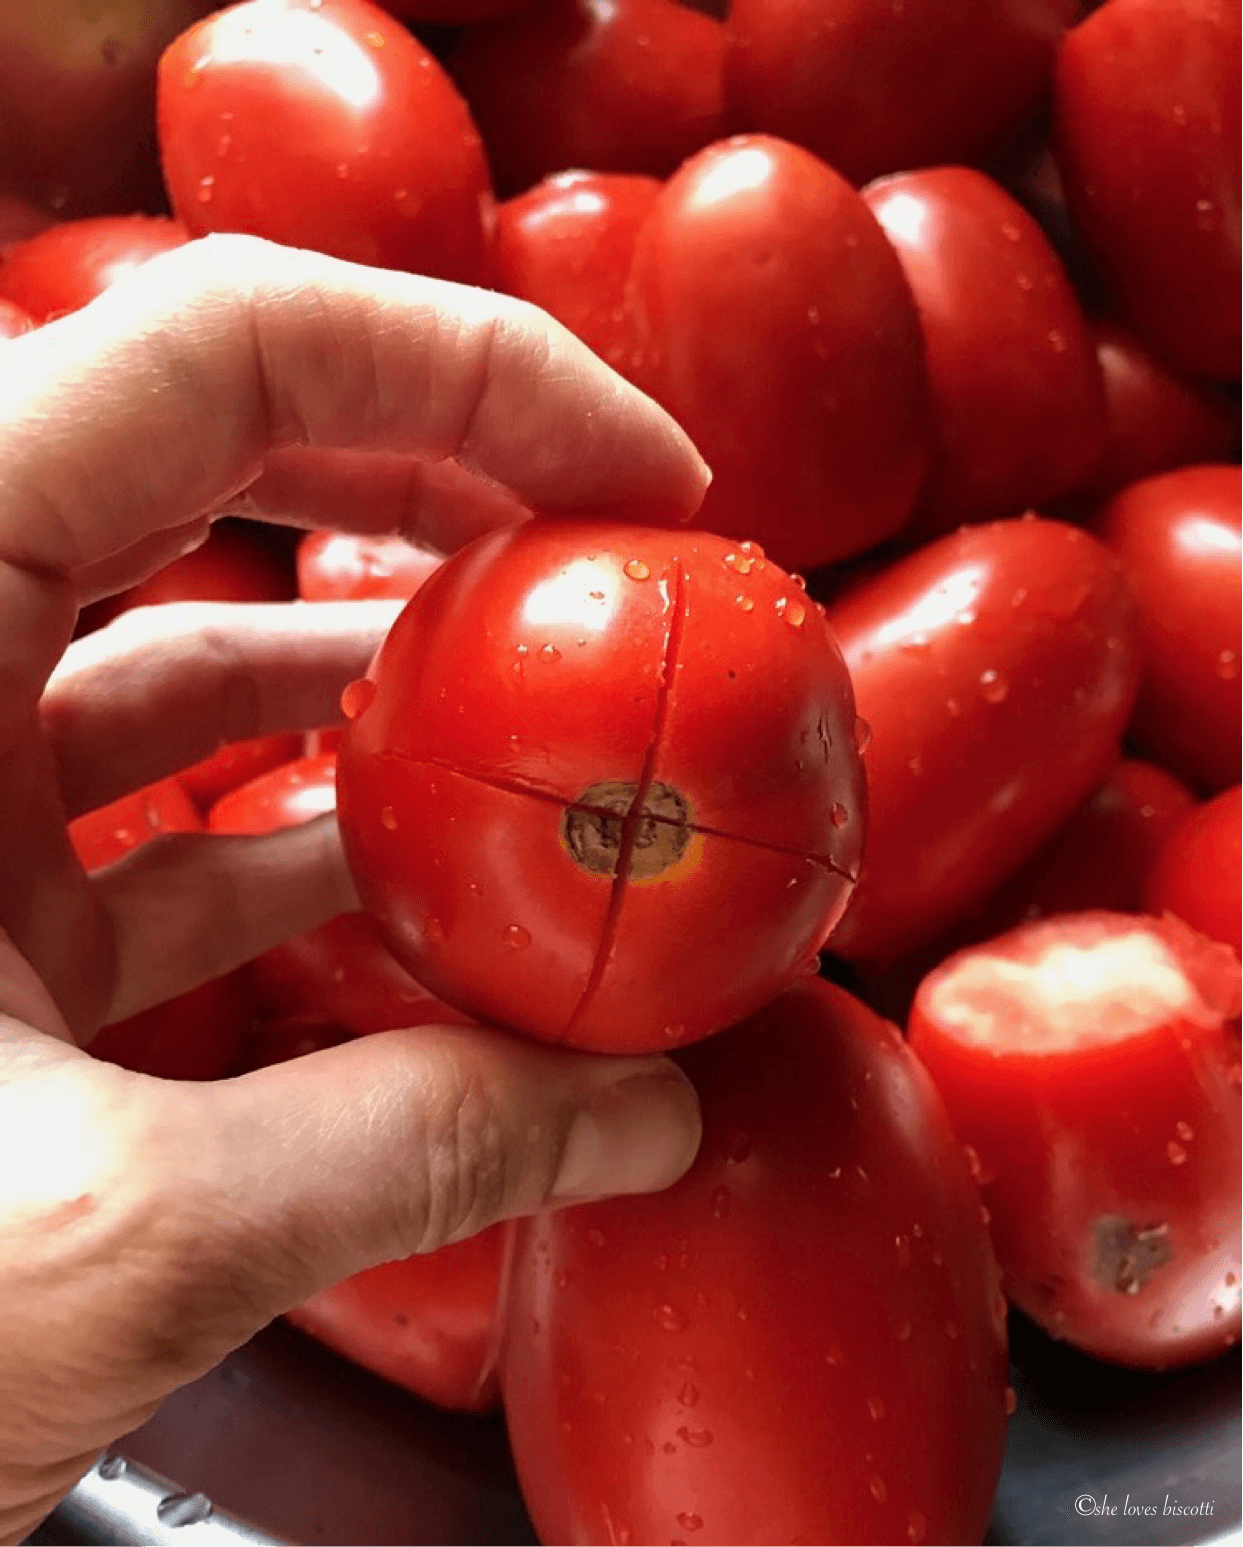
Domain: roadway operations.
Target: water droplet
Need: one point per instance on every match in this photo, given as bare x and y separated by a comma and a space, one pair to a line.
834, 1355
938, 1257
474, 888
516, 937
669, 1319
356, 697
986, 1218
595, 1237
342, 170
205, 191
376, 39
388, 818
1184, 1131
1176, 1153
1228, 665
720, 1202
751, 549
1011, 1401
876, 1408
863, 734
994, 688
1024, 281
1057, 341
838, 815
688, 1395
916, 1525
792, 611
561, 1278
1010, 231
800, 581
433, 930
739, 563
549, 653
223, 144
183, 1509
973, 1161
902, 1245
744, 602
636, 569
876, 1487
737, 1146
1019, 597
966, 617
903, 1331
697, 1439
1208, 216
953, 708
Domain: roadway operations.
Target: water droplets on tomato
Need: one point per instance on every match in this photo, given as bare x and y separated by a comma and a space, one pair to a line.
388, 818
206, 189
877, 1488
549, 653
720, 1202
1176, 1152
738, 562
744, 602
356, 697
791, 611
595, 1237
1228, 665
903, 1331
689, 1521
516, 937
697, 1439
838, 815
902, 1245
862, 734
669, 1319
876, 1409
688, 1395
1208, 216
433, 930
636, 569
1184, 1131
994, 688
916, 1526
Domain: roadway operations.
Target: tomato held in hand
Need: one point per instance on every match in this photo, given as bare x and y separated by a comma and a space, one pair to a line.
873, 88
68, 265
325, 124
603, 788
1196, 874
343, 567
803, 1340
567, 244
1089, 1062
1180, 539
1017, 405
770, 316
631, 86
996, 668
1146, 121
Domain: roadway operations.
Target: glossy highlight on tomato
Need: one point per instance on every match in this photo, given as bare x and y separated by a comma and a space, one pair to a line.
579, 738
68, 265
344, 567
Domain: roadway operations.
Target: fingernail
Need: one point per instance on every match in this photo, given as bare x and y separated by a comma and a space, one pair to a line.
637, 1136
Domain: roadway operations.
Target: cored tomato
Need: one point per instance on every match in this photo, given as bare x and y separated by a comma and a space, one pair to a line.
627, 86
13, 320
1017, 404
1180, 539
874, 88
1196, 874
802, 1340
566, 245
1089, 1062
325, 124
68, 265
579, 739
770, 316
996, 668
343, 567
1147, 132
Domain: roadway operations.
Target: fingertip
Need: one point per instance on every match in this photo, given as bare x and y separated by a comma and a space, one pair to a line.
638, 1135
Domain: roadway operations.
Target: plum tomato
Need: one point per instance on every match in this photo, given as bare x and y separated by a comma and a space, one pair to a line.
1180, 539
873, 88
325, 124
1018, 408
802, 1340
566, 245
603, 787
770, 316
1196, 873
1146, 130
68, 265
13, 320
344, 567
627, 86
996, 668
1089, 1063
106, 834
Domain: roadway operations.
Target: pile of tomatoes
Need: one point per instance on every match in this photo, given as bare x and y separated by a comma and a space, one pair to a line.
943, 684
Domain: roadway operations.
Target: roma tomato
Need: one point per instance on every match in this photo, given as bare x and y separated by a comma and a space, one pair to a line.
872, 88
628, 86
325, 124
1196, 873
13, 320
68, 265
819, 1285
1180, 540
996, 669
1017, 405
1146, 127
603, 787
770, 316
343, 567
1089, 1062
566, 245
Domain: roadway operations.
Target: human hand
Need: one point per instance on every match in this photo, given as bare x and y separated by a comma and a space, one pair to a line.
149, 1227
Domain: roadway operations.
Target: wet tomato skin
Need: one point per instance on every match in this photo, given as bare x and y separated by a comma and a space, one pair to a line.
819, 1282
997, 668
1195, 874
344, 567
1180, 541
1107, 1153
64, 267
565, 701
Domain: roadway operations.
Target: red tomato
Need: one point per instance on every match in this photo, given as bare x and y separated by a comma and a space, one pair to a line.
325, 124
580, 738
627, 86
13, 320
1196, 874
199, 1034
1147, 131
567, 244
68, 265
1088, 1062
802, 1340
1180, 540
292, 1036
771, 318
19, 220
1017, 406
873, 88
996, 668
341, 567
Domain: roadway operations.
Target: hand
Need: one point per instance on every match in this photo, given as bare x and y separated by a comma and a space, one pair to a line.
148, 1227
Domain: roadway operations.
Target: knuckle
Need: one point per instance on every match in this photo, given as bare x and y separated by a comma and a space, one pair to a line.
467, 1172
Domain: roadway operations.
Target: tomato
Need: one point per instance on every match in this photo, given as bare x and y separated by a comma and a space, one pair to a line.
457, 13
567, 244
873, 88
340, 567
292, 1036
324, 124
19, 220
1017, 405
68, 265
1088, 1062
628, 86
799, 1341
13, 320
1180, 540
997, 668
1147, 130
770, 317
199, 1034
579, 739
1196, 874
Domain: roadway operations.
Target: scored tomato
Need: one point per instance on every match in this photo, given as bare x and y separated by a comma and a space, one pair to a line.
579, 738
1090, 1063
68, 265
1196, 873
802, 1340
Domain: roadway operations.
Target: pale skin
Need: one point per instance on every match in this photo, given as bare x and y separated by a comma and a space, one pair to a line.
147, 1227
